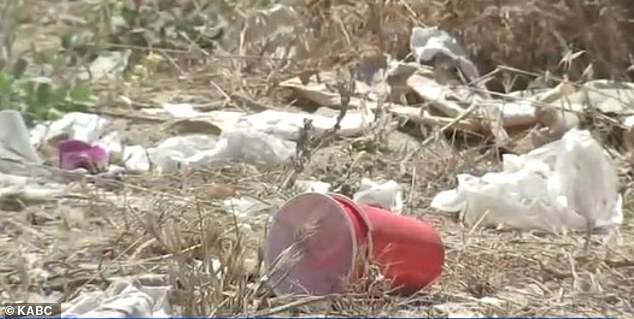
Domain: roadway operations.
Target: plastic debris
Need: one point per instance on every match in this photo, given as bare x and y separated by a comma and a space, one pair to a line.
123, 299
254, 147
75, 154
562, 186
180, 150
427, 43
407, 251
74, 126
182, 110
199, 150
287, 125
111, 142
135, 158
605, 95
313, 186
15, 147
22, 179
386, 194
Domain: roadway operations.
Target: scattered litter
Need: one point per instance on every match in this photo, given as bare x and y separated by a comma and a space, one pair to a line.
387, 194
254, 147
173, 152
198, 150
605, 95
553, 188
427, 43
287, 125
123, 299
564, 181
74, 126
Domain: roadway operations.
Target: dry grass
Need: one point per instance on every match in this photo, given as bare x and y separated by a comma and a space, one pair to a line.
176, 226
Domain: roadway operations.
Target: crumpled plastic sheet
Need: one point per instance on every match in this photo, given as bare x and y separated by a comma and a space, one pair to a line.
313, 187
562, 186
29, 189
252, 146
81, 127
21, 177
426, 43
123, 299
384, 194
14, 144
200, 150
75, 126
285, 125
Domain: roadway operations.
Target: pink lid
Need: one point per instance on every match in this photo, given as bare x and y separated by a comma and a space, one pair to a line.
322, 261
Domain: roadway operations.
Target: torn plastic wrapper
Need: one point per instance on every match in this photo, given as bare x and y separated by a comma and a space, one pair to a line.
559, 187
285, 125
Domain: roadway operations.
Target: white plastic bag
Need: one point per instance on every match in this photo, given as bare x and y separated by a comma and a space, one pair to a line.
198, 150
558, 187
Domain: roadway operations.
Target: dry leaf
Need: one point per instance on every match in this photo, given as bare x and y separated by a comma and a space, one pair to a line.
221, 191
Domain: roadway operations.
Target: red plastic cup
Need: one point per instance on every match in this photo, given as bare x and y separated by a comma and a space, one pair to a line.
330, 234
